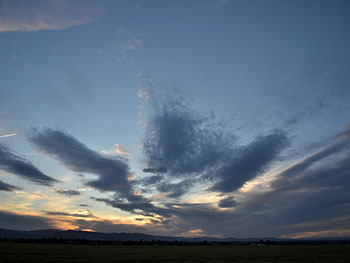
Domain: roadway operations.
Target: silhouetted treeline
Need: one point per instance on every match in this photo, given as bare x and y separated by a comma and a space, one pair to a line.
167, 243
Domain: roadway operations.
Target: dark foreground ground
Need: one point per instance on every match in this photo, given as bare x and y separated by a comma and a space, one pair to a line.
17, 252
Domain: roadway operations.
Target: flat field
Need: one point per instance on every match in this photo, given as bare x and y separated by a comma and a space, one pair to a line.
16, 252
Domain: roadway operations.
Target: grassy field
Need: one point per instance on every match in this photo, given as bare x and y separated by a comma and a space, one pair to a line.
11, 252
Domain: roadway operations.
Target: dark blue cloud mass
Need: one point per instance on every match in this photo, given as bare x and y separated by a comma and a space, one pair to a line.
181, 141
189, 145
12, 163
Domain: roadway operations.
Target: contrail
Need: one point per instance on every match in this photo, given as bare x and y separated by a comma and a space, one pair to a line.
8, 135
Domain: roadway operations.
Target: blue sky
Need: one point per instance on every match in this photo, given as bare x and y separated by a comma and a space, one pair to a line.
213, 117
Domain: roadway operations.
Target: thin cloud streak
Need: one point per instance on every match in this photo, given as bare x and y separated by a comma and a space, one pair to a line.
8, 135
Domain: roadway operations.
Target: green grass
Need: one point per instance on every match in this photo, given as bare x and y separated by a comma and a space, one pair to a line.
12, 252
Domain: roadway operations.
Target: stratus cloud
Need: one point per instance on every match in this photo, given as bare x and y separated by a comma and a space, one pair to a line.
7, 187
12, 163
113, 173
46, 14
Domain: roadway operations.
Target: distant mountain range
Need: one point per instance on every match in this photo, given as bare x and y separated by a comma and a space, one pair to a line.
87, 235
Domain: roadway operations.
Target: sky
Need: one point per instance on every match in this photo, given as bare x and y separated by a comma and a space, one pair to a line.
220, 118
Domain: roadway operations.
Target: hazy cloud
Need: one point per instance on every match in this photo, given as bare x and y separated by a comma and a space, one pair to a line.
24, 15
12, 163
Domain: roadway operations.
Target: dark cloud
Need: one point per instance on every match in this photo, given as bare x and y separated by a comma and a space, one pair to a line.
313, 190
9, 220
192, 146
68, 192
55, 213
113, 173
181, 140
161, 169
249, 161
7, 187
227, 202
301, 173
12, 163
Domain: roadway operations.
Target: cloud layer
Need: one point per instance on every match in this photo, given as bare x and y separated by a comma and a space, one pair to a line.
185, 150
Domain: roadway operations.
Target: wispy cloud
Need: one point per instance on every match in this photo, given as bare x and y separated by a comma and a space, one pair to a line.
130, 44
46, 14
